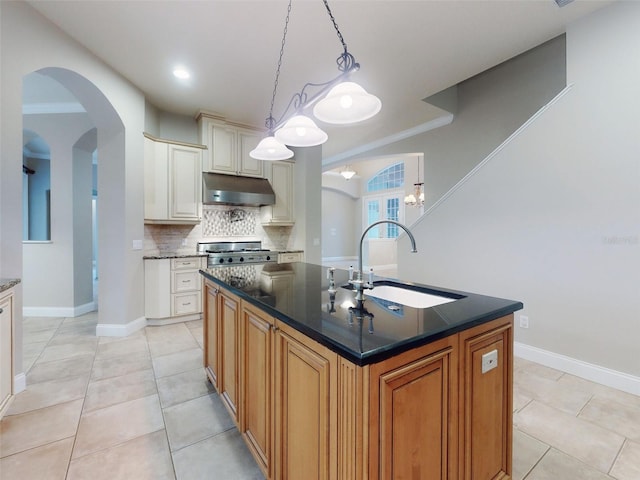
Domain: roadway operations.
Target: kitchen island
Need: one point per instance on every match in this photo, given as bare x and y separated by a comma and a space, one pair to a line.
321, 387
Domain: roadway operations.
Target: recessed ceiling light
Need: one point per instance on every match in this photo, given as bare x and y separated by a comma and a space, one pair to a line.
181, 73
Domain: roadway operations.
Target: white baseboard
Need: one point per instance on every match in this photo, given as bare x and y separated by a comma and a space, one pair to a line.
339, 259
59, 311
157, 322
595, 373
120, 329
19, 383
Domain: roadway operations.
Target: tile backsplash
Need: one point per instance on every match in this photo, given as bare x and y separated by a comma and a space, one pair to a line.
219, 223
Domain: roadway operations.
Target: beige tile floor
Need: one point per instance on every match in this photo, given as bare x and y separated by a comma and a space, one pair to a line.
140, 408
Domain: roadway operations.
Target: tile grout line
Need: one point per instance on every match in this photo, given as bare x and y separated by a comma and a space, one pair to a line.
164, 420
86, 391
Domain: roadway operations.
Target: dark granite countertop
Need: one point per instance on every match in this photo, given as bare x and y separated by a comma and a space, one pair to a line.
7, 283
161, 256
297, 294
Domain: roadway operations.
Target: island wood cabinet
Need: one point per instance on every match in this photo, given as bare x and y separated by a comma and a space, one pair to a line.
6, 349
439, 411
221, 332
172, 182
280, 176
228, 147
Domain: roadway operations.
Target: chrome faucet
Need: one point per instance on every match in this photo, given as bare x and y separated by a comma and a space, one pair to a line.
359, 285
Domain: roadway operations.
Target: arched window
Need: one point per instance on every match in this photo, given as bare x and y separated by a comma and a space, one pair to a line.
386, 189
387, 179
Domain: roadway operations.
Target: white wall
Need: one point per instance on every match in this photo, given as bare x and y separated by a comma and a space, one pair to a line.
490, 106
48, 273
340, 215
307, 231
553, 219
31, 43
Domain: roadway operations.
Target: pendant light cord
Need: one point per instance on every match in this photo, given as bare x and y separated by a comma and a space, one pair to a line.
345, 61
270, 123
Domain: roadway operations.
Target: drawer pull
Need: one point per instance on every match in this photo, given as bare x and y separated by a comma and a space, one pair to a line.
186, 281
185, 304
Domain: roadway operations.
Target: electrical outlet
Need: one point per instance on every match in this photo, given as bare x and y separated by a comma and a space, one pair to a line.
489, 361
524, 321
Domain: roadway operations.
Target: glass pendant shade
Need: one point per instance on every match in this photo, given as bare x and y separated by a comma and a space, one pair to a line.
348, 173
270, 149
301, 131
346, 103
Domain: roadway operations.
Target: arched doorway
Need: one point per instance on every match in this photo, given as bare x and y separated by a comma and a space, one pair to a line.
86, 128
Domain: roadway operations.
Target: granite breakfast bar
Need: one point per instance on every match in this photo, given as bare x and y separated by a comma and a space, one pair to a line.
321, 387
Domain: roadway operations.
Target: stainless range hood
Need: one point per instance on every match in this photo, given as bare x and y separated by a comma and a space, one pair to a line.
220, 189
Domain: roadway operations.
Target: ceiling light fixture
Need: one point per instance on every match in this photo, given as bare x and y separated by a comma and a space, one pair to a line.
346, 102
416, 198
181, 73
348, 173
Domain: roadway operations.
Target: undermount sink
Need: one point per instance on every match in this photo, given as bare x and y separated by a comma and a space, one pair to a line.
407, 297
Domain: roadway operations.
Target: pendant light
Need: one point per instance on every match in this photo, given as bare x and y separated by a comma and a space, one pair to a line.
271, 149
301, 131
416, 199
348, 172
346, 102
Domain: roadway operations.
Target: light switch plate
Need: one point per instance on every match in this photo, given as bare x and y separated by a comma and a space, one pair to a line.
489, 361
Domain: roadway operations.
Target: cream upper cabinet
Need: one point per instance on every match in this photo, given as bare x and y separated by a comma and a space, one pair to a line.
280, 175
228, 147
172, 182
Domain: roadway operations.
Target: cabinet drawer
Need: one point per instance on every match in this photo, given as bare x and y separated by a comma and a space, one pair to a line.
289, 257
185, 263
185, 303
187, 281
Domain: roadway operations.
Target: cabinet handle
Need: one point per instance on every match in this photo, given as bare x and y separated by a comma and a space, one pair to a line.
185, 304
186, 281
274, 328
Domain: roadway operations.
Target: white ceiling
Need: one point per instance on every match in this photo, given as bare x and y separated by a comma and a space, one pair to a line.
408, 50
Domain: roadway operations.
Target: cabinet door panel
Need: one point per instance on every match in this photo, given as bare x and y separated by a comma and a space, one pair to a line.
487, 401
228, 381
222, 153
211, 333
248, 166
257, 393
306, 415
6, 350
414, 415
186, 182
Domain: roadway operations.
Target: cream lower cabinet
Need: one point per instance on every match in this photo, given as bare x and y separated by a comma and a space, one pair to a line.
6, 348
432, 412
173, 289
